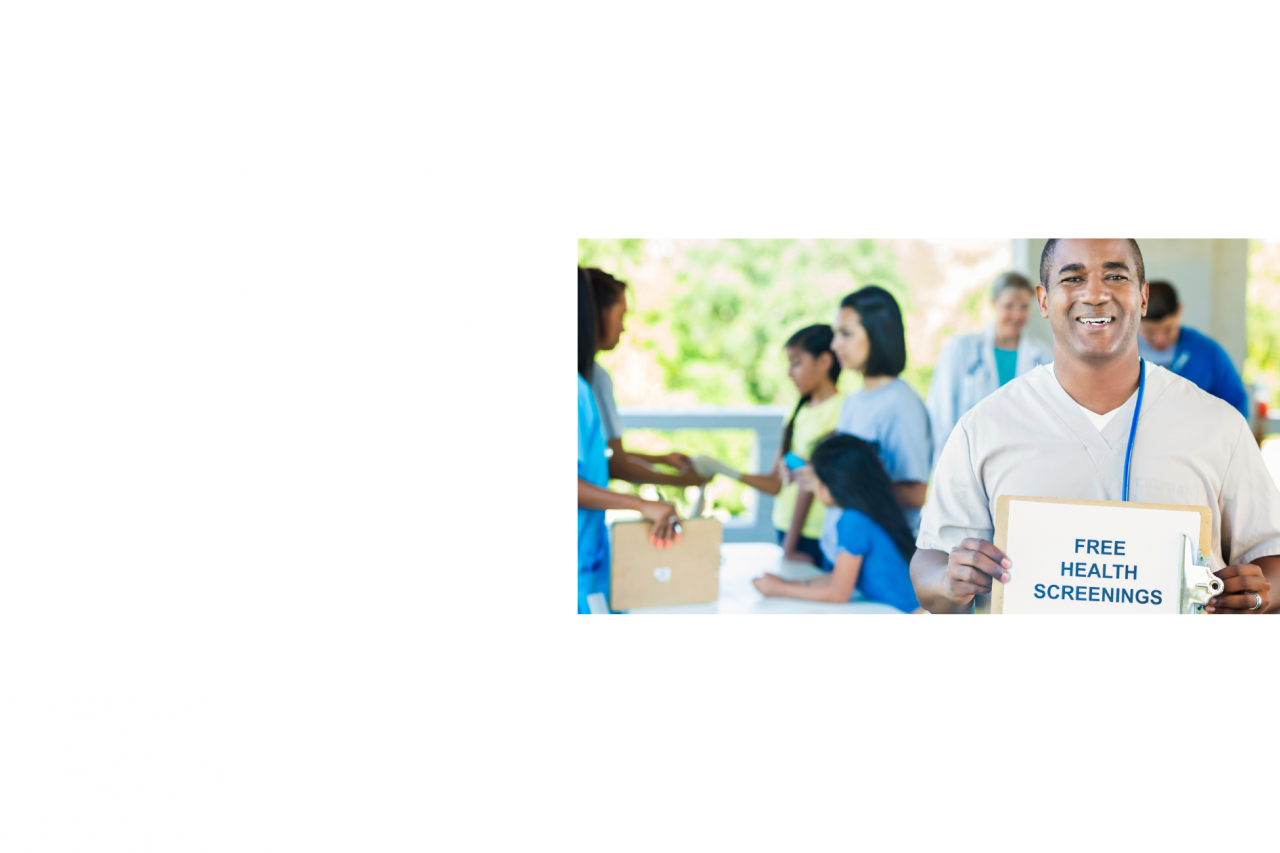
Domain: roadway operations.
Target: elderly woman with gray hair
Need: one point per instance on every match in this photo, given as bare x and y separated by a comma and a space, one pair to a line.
972, 366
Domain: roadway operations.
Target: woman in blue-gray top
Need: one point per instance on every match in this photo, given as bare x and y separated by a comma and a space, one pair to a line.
887, 413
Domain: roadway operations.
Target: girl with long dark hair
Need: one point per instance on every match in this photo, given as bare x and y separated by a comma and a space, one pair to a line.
797, 517
594, 496
874, 544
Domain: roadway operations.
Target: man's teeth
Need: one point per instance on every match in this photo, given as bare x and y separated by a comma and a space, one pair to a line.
1095, 321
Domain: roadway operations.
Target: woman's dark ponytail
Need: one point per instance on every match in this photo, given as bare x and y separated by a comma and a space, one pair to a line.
791, 425
814, 340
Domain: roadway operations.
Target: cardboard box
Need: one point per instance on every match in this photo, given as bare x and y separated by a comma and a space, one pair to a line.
642, 575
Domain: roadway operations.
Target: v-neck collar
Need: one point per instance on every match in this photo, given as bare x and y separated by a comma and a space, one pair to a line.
1114, 437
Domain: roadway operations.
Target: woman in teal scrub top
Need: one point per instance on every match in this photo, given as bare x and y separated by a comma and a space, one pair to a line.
594, 496
971, 367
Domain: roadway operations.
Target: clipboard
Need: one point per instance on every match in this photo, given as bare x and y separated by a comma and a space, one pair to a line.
1002, 527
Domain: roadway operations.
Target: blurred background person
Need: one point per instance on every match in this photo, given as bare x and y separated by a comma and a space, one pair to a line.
797, 517
870, 338
1163, 340
970, 367
611, 309
873, 543
594, 496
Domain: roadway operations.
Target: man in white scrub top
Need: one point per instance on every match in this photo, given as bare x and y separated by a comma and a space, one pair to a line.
1062, 431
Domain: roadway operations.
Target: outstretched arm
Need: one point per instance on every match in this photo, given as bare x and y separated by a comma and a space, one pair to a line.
770, 483
638, 468
835, 587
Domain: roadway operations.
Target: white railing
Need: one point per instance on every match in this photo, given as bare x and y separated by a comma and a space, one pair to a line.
766, 422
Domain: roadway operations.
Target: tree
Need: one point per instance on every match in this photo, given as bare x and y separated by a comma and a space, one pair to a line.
610, 254
740, 301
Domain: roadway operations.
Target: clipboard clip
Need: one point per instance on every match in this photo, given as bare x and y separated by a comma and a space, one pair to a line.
1199, 584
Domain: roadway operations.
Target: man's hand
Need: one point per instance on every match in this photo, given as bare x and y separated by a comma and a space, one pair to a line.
1241, 583
971, 567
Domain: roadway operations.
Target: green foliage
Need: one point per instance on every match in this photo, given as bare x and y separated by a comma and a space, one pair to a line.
722, 333
612, 255
1262, 332
1262, 336
740, 301
918, 375
971, 308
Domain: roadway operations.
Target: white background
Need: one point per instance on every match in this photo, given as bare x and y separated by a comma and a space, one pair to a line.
1043, 536
284, 518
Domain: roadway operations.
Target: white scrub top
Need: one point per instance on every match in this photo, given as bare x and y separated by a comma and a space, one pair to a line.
1030, 438
965, 374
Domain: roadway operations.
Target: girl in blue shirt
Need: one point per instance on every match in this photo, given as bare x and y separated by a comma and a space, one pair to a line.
594, 496
874, 544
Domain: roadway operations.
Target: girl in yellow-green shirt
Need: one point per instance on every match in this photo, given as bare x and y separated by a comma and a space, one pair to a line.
814, 370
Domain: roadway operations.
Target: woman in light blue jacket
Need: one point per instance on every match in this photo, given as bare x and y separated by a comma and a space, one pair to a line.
970, 367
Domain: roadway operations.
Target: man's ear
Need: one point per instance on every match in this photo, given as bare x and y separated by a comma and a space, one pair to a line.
1042, 299
1146, 293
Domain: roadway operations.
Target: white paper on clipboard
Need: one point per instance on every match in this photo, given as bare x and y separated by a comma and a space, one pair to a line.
1093, 557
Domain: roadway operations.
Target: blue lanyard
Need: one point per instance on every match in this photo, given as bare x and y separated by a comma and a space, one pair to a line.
1133, 427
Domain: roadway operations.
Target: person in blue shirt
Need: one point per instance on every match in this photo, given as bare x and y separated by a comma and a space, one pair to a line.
594, 496
1163, 340
870, 339
611, 310
874, 544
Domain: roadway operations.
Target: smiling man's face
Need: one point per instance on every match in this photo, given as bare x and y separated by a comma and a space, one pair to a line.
1095, 299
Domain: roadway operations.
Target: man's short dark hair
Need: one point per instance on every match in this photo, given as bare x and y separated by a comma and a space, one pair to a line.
1046, 262
1162, 300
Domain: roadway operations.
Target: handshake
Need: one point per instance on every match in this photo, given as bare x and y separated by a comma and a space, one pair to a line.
708, 466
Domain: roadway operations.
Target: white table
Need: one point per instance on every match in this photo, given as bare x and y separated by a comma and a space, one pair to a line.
742, 561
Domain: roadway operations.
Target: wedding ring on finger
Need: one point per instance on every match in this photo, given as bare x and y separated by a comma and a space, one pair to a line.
1257, 601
